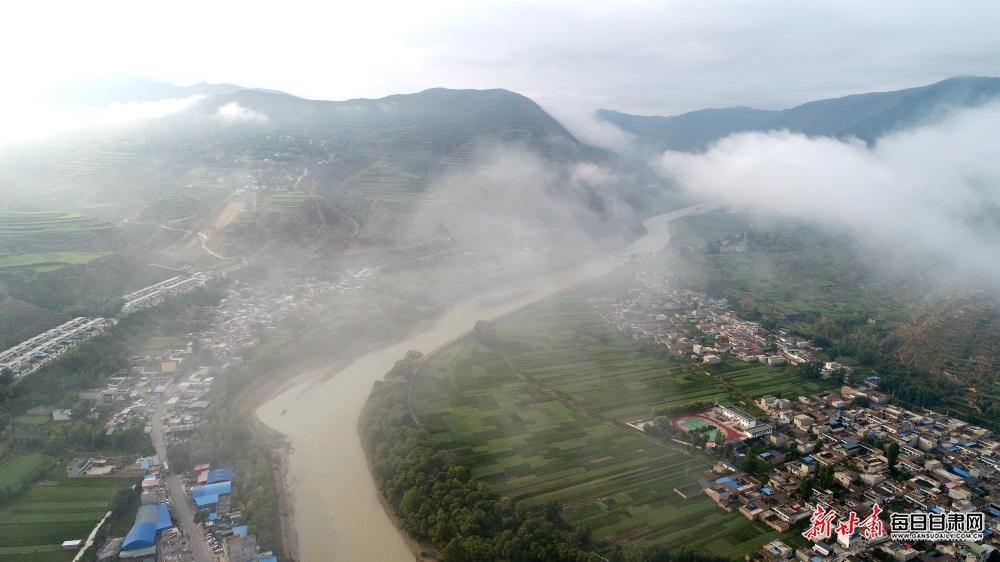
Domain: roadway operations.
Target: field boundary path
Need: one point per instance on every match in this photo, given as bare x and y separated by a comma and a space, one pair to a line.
90, 538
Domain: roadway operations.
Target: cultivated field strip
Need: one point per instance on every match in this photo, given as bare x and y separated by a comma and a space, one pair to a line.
541, 412
33, 524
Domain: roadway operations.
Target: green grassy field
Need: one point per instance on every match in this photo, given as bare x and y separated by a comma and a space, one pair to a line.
754, 379
386, 185
38, 553
36, 421
24, 232
49, 261
159, 344
18, 470
35, 523
541, 415
283, 202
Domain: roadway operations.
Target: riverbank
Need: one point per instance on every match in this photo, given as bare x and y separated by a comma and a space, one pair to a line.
338, 513
422, 552
313, 369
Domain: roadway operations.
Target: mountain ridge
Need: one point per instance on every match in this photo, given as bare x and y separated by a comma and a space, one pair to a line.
122, 89
866, 116
368, 170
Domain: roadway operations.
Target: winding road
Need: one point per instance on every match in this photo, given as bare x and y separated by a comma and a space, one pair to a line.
201, 235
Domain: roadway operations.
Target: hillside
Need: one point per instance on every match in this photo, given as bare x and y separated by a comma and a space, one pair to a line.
23, 232
21, 320
941, 347
958, 339
410, 163
129, 89
54, 266
865, 116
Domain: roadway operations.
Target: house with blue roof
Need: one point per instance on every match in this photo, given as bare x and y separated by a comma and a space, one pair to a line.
219, 475
208, 495
150, 521
163, 520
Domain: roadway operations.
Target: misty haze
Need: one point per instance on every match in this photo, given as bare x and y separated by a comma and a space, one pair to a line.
503, 281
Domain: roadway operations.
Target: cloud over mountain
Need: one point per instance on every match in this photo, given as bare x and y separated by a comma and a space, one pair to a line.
234, 112
930, 193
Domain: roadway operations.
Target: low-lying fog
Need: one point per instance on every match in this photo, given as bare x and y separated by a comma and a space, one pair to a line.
927, 197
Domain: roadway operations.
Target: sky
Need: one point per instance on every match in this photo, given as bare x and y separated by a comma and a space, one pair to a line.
649, 57
656, 57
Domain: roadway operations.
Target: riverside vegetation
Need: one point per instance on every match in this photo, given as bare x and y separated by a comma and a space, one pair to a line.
438, 502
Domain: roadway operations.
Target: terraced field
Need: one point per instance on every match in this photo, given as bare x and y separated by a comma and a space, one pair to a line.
384, 184
19, 470
35, 523
49, 261
754, 380
283, 202
540, 414
47, 232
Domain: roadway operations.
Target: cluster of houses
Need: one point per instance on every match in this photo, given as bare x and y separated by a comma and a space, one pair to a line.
168, 377
153, 535
34, 353
943, 465
153, 518
692, 324
210, 490
174, 379
150, 377
246, 309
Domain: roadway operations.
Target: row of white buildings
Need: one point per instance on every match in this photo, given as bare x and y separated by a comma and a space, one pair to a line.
31, 354
156, 294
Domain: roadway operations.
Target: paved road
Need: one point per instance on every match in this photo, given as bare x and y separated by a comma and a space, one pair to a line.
183, 508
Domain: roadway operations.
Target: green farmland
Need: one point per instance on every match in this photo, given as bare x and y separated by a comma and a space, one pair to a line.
49, 261
35, 523
291, 201
159, 344
18, 471
540, 414
23, 233
754, 379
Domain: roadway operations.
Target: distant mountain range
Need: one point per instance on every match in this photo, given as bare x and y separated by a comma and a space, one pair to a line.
404, 168
865, 116
247, 166
129, 89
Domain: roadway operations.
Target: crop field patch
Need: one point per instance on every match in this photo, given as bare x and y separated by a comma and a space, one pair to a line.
52, 511
540, 414
49, 232
49, 261
17, 470
283, 202
36, 553
755, 380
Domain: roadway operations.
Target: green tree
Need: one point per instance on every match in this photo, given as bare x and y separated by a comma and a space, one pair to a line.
806, 489
892, 454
